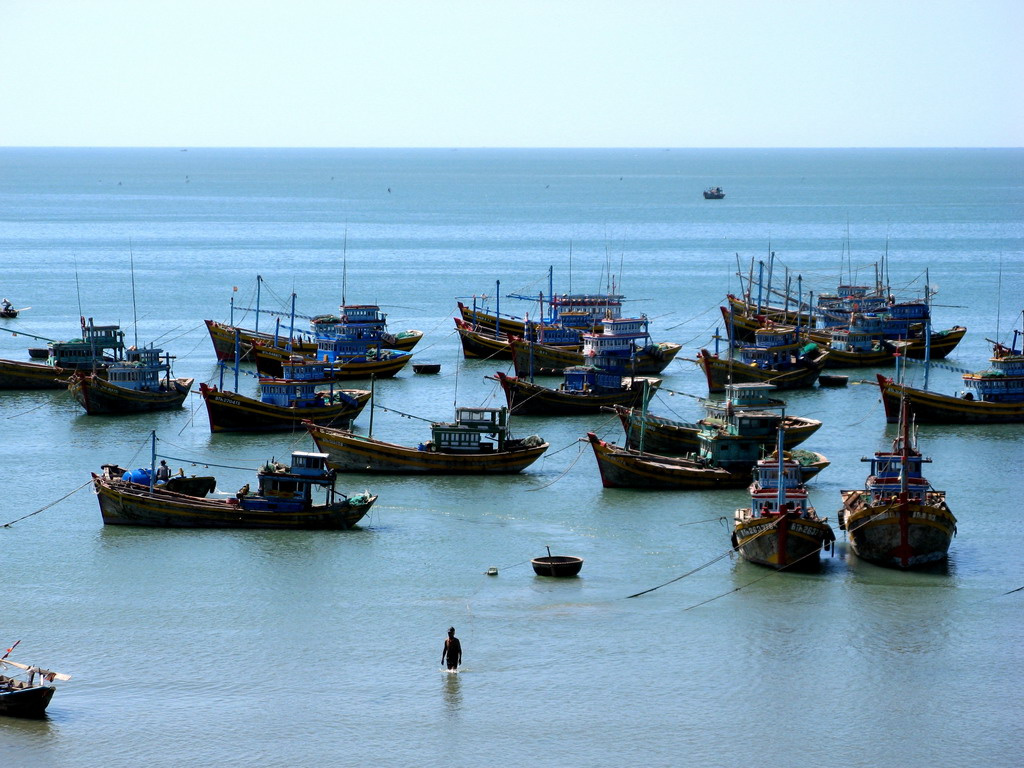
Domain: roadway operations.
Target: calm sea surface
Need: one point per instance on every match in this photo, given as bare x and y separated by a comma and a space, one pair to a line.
318, 649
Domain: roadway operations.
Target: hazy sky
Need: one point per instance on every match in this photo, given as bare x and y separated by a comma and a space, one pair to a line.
472, 73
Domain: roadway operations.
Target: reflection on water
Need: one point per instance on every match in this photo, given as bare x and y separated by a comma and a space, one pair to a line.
452, 693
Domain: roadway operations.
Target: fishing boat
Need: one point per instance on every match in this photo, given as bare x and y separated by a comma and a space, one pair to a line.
724, 460
7, 310
189, 485
284, 403
780, 529
23, 696
477, 442
898, 520
714, 193
624, 344
426, 368
141, 382
283, 500
777, 356
305, 342
585, 389
347, 360
871, 324
98, 347
741, 409
992, 396
578, 311
490, 344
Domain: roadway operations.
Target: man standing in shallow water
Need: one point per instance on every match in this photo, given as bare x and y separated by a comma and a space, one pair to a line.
452, 651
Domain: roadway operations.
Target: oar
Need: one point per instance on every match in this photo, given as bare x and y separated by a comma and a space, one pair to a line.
9, 650
42, 672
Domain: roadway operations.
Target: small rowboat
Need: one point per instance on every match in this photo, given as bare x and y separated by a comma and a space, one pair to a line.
832, 380
557, 565
426, 368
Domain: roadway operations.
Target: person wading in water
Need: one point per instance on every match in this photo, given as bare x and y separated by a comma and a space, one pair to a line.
452, 651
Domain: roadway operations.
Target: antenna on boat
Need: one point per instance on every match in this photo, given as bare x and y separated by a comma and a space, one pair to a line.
570, 272
344, 267
999, 295
135, 315
78, 291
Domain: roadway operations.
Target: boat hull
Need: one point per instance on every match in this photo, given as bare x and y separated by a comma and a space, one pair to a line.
934, 408
15, 374
347, 452
898, 534
525, 397
546, 360
101, 398
721, 371
126, 504
667, 437
558, 566
25, 702
484, 344
625, 468
782, 542
231, 412
269, 359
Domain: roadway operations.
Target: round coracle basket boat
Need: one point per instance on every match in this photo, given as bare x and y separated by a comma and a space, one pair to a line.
557, 565
426, 367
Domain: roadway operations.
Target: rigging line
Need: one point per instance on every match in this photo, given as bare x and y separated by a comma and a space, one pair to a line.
725, 554
695, 317
52, 503
548, 485
205, 463
400, 413
41, 405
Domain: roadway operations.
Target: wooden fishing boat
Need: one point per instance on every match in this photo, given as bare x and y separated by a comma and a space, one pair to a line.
780, 529
63, 358
283, 500
745, 406
777, 357
283, 406
141, 382
190, 485
714, 193
456, 447
991, 396
714, 469
347, 361
896, 322
557, 566
305, 342
26, 697
7, 311
624, 344
579, 311
585, 389
487, 343
898, 520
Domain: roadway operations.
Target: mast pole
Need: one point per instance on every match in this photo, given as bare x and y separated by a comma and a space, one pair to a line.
497, 308
238, 347
291, 330
259, 286
152, 459
760, 283
781, 498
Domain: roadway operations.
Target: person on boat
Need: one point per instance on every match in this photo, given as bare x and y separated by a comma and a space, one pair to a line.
451, 654
242, 492
7, 305
163, 472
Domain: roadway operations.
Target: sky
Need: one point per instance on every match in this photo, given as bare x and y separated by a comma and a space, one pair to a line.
512, 73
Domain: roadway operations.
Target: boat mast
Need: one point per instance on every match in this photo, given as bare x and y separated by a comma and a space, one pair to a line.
781, 497
344, 267
760, 283
135, 314
291, 330
927, 328
152, 460
497, 308
259, 285
799, 303
238, 346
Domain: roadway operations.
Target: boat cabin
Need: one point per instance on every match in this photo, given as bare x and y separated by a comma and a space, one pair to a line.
140, 370
588, 378
775, 346
286, 489
849, 340
340, 350
86, 352
585, 311
466, 433
890, 472
298, 368
614, 348
552, 335
747, 411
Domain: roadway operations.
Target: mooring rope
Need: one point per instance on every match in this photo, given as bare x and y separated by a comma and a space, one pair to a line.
52, 503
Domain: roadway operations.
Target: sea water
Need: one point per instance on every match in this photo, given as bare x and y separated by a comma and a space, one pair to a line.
256, 648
